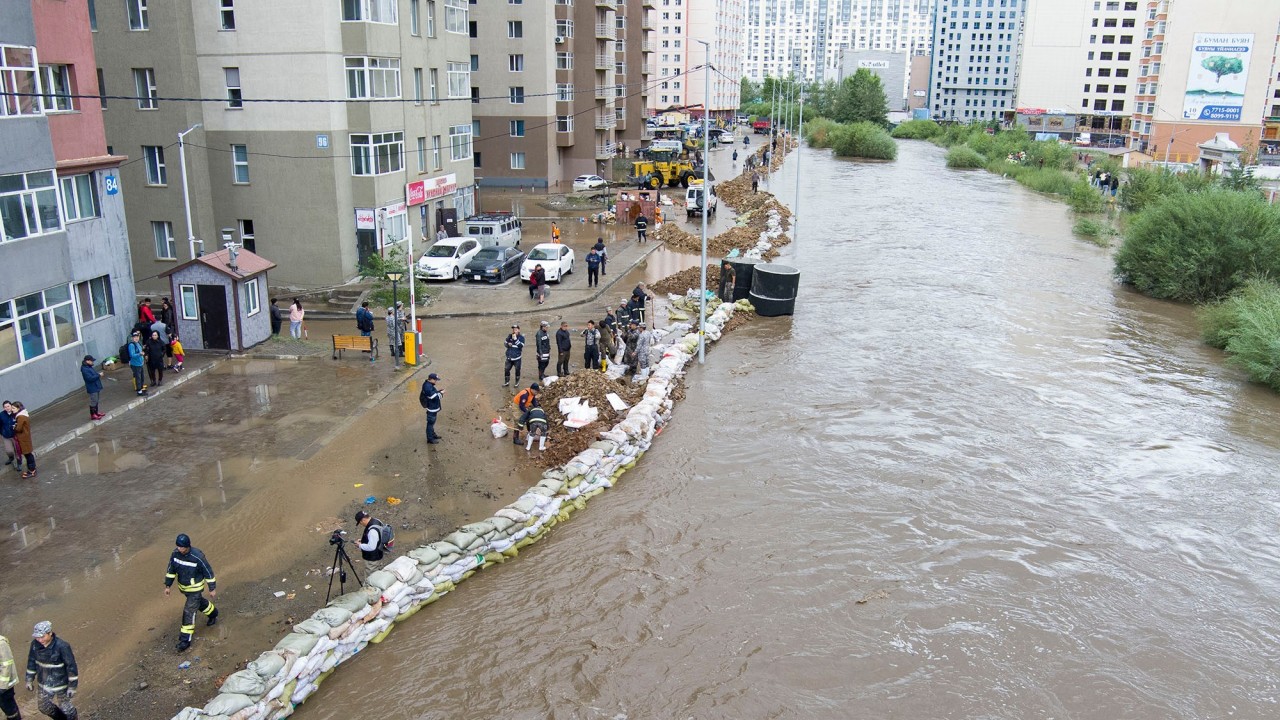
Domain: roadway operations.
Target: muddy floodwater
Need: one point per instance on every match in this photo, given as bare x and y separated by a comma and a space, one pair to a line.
970, 478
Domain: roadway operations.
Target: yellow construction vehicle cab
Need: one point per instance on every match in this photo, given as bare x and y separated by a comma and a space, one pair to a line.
663, 168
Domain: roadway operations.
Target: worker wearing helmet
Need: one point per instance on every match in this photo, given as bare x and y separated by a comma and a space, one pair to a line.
193, 572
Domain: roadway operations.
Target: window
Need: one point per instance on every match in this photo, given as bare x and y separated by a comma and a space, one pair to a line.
188, 301
515, 29
516, 128
93, 16
435, 85
564, 61
516, 95
153, 157
564, 28
1126, 39
455, 16
378, 11
247, 237
144, 82
235, 100
377, 154
431, 18
459, 75
137, 14
436, 159
95, 299
28, 205
252, 302
459, 142
475, 63
414, 23
102, 91
55, 81
1119, 89
79, 197
371, 77
240, 164
417, 86
35, 324
564, 92
422, 154
1117, 105
18, 75
564, 123
517, 161
166, 248
228, 14
515, 63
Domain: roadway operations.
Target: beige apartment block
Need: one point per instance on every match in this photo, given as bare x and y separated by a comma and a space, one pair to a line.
559, 88
379, 96
1207, 67
722, 25
1079, 67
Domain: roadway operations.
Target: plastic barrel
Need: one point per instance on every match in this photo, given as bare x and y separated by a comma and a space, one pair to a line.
774, 289
744, 272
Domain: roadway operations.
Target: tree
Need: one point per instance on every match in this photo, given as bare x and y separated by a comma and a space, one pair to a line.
1239, 177
747, 92
1222, 65
860, 98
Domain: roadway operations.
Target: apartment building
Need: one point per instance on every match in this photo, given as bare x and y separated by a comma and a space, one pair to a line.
976, 46
890, 67
806, 38
682, 25
1206, 68
66, 286
1079, 68
378, 96
563, 93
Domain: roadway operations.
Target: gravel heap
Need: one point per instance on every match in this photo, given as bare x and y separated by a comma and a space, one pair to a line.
591, 385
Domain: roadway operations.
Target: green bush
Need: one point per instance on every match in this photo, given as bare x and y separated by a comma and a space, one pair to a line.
1054, 154
864, 140
963, 157
1196, 247
916, 130
818, 132
1143, 188
1045, 180
1247, 326
1089, 227
1085, 198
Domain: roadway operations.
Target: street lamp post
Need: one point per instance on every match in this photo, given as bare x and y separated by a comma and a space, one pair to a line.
186, 193
706, 205
395, 276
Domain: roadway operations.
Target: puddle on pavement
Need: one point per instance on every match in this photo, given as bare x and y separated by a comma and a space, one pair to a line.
102, 458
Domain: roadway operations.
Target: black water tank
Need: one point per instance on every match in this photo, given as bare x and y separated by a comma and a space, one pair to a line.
743, 269
774, 289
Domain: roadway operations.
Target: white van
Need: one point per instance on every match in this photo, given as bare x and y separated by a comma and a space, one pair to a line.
494, 229
693, 199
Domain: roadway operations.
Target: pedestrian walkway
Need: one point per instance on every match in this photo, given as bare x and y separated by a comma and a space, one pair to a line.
68, 418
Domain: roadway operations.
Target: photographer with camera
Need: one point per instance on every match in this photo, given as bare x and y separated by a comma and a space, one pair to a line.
373, 545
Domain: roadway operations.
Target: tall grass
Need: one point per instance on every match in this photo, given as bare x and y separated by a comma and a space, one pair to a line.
1247, 325
864, 140
963, 157
818, 132
1085, 198
917, 130
1197, 247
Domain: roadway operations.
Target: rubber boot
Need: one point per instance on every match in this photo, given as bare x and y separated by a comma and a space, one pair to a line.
528, 443
213, 618
542, 443
515, 437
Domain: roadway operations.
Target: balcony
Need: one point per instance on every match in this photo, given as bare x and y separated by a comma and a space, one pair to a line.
649, 4
606, 31
606, 122
646, 22
604, 62
606, 4
604, 92
648, 46
606, 151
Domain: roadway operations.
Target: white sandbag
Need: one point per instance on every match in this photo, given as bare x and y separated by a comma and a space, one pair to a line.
427, 557
389, 611
498, 428
555, 486
402, 567
483, 529
267, 665
513, 515
443, 548
502, 524
332, 616
567, 404
523, 505
582, 415
301, 693
311, 626
323, 645
245, 682
228, 703
353, 601
380, 579
462, 540
190, 713
299, 643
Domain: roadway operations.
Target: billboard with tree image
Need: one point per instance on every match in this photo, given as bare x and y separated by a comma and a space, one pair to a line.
1218, 75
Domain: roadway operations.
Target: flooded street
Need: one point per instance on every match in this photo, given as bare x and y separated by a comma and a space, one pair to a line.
971, 477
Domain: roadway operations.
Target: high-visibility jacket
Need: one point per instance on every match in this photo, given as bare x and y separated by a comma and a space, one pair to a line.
54, 667
192, 571
8, 671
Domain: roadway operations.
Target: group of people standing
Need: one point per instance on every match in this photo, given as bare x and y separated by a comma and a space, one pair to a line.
153, 344
15, 430
1105, 181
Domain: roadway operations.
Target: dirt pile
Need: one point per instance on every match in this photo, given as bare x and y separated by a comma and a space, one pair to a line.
590, 385
682, 282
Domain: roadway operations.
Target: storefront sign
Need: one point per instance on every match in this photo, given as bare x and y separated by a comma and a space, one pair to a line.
420, 191
366, 219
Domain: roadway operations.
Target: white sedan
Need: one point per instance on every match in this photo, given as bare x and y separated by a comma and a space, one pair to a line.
588, 182
446, 259
556, 261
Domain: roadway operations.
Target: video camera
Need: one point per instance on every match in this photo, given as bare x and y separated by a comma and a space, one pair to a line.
337, 537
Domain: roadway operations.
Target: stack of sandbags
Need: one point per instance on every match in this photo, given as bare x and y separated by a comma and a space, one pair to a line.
271, 686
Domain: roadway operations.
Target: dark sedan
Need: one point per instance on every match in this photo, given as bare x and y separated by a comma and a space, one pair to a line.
494, 264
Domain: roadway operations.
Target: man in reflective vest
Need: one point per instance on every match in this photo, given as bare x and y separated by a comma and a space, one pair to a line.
52, 665
189, 567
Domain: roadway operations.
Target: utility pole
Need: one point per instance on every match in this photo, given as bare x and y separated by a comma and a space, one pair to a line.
706, 203
186, 193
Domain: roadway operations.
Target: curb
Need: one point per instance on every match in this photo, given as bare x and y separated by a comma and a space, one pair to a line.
116, 412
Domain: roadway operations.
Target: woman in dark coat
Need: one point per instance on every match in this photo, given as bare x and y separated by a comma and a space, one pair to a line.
154, 348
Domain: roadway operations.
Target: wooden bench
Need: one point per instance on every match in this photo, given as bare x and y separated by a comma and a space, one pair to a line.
362, 343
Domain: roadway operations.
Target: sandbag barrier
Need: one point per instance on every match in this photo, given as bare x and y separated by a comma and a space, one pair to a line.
272, 686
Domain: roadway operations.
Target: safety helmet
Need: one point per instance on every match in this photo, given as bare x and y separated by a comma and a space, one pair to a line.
183, 540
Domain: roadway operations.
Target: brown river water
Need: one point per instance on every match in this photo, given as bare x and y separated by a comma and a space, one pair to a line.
972, 477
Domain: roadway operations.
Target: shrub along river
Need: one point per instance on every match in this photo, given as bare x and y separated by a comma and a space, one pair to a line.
971, 477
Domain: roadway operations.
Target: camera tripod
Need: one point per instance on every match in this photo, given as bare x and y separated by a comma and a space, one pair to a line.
339, 556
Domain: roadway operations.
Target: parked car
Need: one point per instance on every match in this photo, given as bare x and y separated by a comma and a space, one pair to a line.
588, 182
494, 264
500, 229
445, 259
556, 260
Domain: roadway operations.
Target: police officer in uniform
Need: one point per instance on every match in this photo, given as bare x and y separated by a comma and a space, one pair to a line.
192, 570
